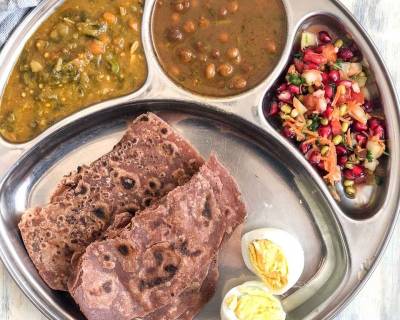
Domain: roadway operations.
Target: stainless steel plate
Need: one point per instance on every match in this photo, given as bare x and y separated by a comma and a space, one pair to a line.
280, 188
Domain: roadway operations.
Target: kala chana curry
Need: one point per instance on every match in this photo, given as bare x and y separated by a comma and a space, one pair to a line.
87, 51
219, 47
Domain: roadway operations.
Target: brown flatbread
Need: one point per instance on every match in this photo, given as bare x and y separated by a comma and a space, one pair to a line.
190, 302
150, 160
164, 251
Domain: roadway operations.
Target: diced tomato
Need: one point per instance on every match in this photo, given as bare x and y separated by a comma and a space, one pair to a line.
310, 102
315, 58
329, 53
336, 127
344, 98
358, 97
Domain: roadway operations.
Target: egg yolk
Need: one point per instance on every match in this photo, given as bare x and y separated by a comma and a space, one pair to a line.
255, 304
270, 263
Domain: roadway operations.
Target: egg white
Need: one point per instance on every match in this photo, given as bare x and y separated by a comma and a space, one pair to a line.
290, 246
228, 314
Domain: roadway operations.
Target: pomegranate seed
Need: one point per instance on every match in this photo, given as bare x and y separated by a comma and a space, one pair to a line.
354, 49
379, 132
328, 92
328, 112
282, 87
319, 49
368, 107
348, 174
304, 147
324, 37
285, 96
346, 83
361, 180
288, 133
342, 160
361, 140
345, 54
341, 150
294, 89
334, 75
321, 165
273, 109
373, 123
360, 127
324, 131
325, 77
315, 157
357, 171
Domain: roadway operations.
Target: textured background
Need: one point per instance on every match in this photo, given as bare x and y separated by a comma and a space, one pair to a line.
380, 298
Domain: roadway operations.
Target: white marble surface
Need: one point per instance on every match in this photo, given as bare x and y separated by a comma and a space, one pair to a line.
380, 298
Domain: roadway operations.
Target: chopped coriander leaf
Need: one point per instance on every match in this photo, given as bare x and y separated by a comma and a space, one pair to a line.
338, 64
295, 79
316, 121
298, 55
370, 157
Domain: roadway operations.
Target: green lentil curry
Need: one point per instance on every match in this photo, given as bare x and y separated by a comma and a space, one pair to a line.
87, 51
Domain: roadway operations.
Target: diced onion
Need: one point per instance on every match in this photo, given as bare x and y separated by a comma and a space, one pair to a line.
354, 68
299, 106
371, 165
376, 148
308, 39
312, 76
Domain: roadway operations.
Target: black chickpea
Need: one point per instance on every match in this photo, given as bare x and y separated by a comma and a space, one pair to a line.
223, 12
237, 60
203, 57
174, 34
233, 6
175, 18
200, 46
223, 37
204, 22
185, 55
238, 83
215, 53
210, 71
233, 53
180, 5
189, 26
225, 69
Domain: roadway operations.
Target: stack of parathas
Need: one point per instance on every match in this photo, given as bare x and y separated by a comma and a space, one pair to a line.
139, 228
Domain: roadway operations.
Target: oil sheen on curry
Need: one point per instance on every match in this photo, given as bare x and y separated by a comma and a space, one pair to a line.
86, 52
219, 47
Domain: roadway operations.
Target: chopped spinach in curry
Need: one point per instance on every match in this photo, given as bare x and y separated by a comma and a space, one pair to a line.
86, 52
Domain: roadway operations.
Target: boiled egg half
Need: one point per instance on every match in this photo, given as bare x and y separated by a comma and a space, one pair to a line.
251, 301
275, 256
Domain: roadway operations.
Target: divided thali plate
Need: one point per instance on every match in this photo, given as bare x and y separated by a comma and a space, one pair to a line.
280, 188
